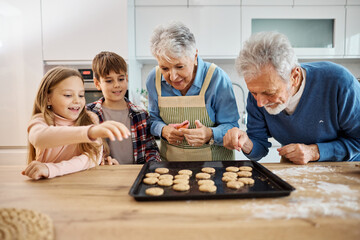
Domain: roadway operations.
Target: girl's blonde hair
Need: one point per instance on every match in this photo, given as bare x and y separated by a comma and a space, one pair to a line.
50, 80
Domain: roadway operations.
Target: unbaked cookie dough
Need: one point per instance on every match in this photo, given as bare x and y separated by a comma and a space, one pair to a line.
244, 174
166, 176
202, 176
154, 191
228, 179
206, 181
246, 180
162, 170
185, 172
179, 180
152, 174
245, 168
207, 188
182, 177
232, 169
181, 187
165, 182
150, 180
230, 174
234, 184
208, 170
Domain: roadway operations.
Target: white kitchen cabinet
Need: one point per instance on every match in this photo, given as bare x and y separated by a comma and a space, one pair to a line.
294, 2
20, 74
314, 31
352, 43
161, 3
216, 28
76, 30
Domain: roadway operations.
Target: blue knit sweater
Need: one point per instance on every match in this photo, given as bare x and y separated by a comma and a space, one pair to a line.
328, 115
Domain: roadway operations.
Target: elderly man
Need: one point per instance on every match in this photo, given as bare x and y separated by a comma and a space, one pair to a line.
312, 109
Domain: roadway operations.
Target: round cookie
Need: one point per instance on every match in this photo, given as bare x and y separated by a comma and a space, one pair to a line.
152, 174
181, 187
162, 170
208, 170
245, 168
232, 169
150, 180
244, 174
179, 180
206, 181
230, 174
246, 180
207, 188
202, 176
234, 184
166, 176
182, 177
228, 179
154, 191
165, 182
185, 172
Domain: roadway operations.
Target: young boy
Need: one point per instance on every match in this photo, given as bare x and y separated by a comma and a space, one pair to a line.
110, 76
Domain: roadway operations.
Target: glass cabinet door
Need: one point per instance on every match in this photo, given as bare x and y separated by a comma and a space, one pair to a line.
302, 33
315, 31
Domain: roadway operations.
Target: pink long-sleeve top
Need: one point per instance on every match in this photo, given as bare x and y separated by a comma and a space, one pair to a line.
56, 146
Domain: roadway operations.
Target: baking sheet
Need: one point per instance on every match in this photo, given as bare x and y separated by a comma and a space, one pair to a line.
266, 183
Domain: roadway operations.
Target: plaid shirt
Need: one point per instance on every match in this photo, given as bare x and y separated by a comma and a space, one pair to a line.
144, 146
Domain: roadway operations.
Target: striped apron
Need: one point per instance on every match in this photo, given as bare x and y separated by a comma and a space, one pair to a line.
180, 108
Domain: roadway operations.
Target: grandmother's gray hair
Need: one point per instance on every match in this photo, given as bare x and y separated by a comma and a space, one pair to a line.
173, 40
266, 48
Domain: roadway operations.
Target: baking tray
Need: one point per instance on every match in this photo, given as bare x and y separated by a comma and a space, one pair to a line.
267, 184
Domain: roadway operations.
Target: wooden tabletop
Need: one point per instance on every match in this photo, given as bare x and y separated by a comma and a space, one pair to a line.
95, 204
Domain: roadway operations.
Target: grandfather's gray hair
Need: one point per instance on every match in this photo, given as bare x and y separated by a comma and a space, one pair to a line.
266, 48
172, 41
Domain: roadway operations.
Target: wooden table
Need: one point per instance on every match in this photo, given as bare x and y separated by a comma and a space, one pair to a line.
95, 204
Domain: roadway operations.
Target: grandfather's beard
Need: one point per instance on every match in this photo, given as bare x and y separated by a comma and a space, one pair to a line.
277, 110
280, 107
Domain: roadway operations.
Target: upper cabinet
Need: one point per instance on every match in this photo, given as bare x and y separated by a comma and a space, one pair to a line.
215, 25
314, 31
352, 31
76, 30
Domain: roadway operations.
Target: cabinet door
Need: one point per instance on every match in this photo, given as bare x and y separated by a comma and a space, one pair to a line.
352, 31
216, 28
21, 68
313, 31
77, 30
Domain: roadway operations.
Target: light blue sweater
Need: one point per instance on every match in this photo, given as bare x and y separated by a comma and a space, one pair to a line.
328, 115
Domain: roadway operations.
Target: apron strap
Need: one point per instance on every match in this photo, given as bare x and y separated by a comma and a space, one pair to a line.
207, 79
158, 81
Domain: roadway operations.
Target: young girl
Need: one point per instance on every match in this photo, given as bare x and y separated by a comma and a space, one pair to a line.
62, 136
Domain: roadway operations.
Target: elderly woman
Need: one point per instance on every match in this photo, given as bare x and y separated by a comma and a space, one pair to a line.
185, 89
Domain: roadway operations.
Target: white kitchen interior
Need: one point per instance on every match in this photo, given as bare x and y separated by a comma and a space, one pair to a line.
36, 35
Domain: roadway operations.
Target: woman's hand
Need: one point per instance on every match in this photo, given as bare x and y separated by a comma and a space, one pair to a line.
36, 170
172, 135
198, 136
109, 161
109, 129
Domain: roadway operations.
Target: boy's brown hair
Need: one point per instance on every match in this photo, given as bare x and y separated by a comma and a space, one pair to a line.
105, 62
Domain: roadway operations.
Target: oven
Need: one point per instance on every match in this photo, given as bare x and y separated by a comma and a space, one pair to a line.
92, 94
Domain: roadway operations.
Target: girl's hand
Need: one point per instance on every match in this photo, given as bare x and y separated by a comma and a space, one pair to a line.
36, 170
109, 129
109, 161
198, 136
